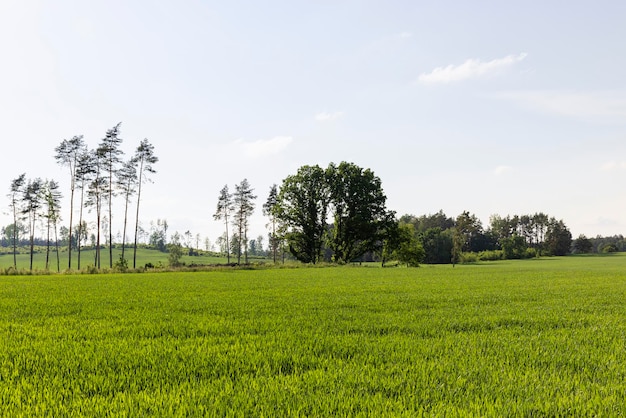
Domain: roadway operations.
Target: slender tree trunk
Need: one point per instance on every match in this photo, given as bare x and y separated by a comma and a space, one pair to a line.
14, 236
72, 186
56, 246
98, 213
227, 243
32, 240
245, 243
125, 222
48, 244
274, 238
110, 218
80, 224
137, 215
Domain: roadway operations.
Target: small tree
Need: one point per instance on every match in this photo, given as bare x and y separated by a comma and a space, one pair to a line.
144, 158
243, 200
269, 209
17, 186
224, 209
84, 175
68, 154
109, 153
402, 245
52, 199
583, 245
175, 250
126, 182
32, 200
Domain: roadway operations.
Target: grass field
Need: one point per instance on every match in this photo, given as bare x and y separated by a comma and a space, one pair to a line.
543, 337
144, 256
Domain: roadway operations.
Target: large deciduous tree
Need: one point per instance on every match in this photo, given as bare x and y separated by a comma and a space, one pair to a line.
223, 212
144, 159
360, 218
68, 154
302, 207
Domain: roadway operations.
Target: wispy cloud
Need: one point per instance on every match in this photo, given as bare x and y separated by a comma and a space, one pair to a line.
326, 116
472, 68
502, 169
613, 166
263, 147
605, 107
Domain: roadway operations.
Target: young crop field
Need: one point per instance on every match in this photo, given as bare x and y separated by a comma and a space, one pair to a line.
144, 256
542, 337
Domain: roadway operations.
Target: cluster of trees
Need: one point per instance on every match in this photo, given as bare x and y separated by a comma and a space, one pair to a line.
96, 176
236, 208
446, 239
335, 214
599, 244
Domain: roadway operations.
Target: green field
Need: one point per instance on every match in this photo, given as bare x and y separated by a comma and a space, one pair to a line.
144, 256
542, 337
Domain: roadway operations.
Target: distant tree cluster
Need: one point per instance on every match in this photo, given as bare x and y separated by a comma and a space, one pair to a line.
599, 244
448, 240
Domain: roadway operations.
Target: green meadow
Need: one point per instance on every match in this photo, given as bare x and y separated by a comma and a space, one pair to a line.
541, 337
144, 256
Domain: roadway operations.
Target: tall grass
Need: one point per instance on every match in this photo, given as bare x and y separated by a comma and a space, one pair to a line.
540, 337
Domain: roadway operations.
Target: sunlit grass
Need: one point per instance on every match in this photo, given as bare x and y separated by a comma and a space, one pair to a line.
532, 338
144, 257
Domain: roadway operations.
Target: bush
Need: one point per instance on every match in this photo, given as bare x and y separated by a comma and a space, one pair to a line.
530, 253
493, 255
609, 248
467, 258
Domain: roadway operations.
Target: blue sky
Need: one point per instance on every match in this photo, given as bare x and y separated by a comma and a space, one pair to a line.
487, 106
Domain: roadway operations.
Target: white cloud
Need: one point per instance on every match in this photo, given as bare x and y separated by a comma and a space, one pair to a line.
405, 35
607, 107
325, 116
472, 68
263, 147
613, 166
502, 169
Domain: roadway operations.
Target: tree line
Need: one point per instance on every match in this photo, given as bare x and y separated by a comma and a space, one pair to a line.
336, 214
97, 176
449, 240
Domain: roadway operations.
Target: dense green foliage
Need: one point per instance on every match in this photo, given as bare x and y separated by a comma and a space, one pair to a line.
349, 197
542, 337
302, 206
447, 240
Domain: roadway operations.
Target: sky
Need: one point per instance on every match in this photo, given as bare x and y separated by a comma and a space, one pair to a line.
490, 107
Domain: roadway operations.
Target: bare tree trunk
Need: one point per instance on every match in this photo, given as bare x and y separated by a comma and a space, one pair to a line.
56, 245
48, 243
137, 215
